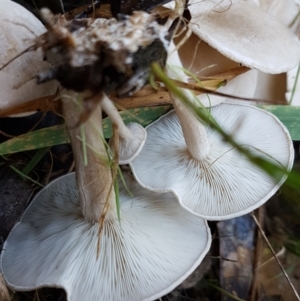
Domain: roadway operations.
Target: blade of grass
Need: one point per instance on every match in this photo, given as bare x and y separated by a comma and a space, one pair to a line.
24, 176
35, 160
295, 85
54, 135
123, 182
82, 133
58, 134
116, 187
225, 292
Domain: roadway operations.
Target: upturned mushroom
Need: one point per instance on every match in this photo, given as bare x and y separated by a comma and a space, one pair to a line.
99, 56
141, 257
71, 236
189, 157
209, 177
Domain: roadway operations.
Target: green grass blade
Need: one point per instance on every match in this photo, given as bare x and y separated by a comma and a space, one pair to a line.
144, 116
54, 135
224, 292
82, 133
24, 176
123, 181
295, 85
35, 160
58, 134
116, 187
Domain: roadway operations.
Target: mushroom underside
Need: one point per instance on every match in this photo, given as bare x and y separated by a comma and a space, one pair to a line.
142, 257
225, 184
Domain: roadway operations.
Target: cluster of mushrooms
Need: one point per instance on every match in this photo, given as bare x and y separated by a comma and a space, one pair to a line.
183, 172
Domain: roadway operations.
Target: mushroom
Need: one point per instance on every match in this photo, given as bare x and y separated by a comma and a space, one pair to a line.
117, 58
286, 11
17, 76
246, 34
152, 248
273, 87
71, 236
209, 177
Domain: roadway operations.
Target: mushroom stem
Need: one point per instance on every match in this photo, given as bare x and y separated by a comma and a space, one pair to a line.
115, 117
193, 130
94, 181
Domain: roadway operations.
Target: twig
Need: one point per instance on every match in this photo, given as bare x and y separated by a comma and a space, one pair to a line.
257, 256
276, 258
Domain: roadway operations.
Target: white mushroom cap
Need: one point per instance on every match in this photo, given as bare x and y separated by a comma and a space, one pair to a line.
224, 184
154, 247
246, 34
284, 10
19, 28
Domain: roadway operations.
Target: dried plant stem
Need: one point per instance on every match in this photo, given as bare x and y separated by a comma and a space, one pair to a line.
276, 258
257, 256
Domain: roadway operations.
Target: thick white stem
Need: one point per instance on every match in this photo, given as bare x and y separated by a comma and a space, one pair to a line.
110, 109
193, 130
94, 181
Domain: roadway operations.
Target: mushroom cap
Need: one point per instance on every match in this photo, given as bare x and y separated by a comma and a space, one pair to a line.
284, 10
246, 34
19, 28
225, 184
130, 148
202, 60
154, 247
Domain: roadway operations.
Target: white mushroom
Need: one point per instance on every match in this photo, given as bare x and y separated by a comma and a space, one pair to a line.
286, 11
219, 183
17, 80
246, 34
146, 254
151, 251
209, 177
